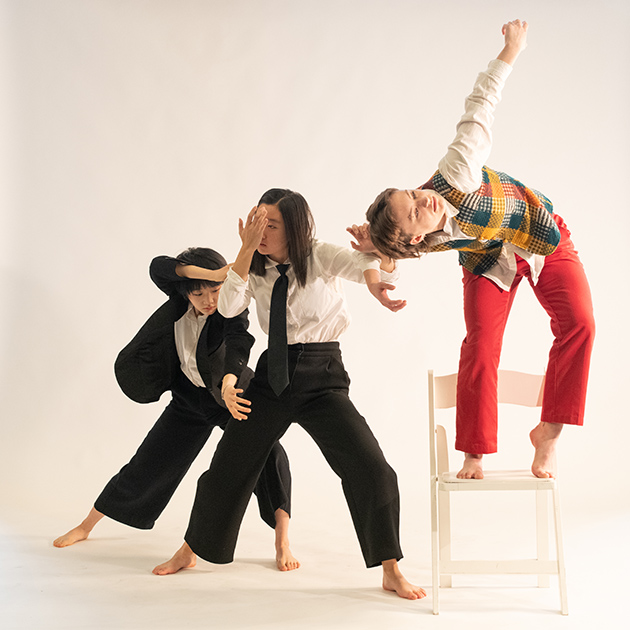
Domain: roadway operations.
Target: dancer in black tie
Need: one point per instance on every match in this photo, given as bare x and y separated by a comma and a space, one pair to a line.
302, 380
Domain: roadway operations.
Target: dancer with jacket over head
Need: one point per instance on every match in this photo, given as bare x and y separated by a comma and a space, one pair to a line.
189, 348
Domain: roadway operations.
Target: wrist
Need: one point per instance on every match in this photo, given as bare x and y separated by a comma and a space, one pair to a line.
229, 380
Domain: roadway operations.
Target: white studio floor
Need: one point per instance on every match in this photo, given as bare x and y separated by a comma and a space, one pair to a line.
106, 582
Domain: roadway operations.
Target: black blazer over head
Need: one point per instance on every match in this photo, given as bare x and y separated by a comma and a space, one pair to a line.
149, 364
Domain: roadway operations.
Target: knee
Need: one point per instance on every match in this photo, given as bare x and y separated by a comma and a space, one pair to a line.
582, 326
383, 475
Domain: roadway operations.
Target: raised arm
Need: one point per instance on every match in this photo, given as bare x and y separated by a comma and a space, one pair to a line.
466, 155
234, 297
251, 233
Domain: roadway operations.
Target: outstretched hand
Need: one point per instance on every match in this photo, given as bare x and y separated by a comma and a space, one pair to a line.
361, 234
379, 291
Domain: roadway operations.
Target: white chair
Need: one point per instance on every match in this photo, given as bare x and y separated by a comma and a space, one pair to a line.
516, 388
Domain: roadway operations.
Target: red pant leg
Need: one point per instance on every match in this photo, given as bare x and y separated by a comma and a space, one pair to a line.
564, 293
486, 309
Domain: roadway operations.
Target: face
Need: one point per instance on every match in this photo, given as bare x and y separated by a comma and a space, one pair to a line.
205, 300
418, 212
274, 239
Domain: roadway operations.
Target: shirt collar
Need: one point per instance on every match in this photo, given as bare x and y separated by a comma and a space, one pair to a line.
190, 314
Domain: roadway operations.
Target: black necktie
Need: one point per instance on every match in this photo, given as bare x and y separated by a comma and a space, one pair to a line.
277, 353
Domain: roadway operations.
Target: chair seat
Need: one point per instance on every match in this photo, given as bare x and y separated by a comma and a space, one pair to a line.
496, 480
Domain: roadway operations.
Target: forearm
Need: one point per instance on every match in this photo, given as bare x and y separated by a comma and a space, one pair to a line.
371, 276
388, 264
243, 262
509, 54
193, 272
229, 380
238, 343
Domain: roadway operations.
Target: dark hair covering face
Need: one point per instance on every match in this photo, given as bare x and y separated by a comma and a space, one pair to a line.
199, 257
299, 228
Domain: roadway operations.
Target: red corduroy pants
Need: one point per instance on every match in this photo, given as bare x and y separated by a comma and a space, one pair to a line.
563, 291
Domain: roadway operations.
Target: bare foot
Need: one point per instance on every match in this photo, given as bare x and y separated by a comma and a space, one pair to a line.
75, 535
395, 582
184, 558
545, 437
285, 559
80, 532
472, 468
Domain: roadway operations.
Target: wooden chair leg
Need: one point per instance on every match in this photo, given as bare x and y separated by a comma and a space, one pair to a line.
435, 574
444, 509
562, 576
542, 533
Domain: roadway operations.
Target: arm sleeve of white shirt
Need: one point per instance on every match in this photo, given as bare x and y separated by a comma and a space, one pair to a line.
349, 264
466, 155
234, 296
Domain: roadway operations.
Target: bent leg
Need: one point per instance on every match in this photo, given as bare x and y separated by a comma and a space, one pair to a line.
224, 490
273, 488
369, 483
138, 494
564, 293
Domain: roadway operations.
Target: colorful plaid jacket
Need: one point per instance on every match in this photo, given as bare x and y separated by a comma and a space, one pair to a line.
501, 210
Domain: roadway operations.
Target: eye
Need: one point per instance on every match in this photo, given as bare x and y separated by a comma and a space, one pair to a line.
417, 213
413, 194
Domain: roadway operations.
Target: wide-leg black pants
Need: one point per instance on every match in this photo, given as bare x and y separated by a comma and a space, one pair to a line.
317, 399
138, 494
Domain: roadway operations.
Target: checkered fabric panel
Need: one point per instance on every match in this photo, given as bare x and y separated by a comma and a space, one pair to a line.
501, 210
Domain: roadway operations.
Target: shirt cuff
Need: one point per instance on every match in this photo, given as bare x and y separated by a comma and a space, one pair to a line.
500, 69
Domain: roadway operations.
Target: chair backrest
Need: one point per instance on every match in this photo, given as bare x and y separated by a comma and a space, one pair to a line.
517, 388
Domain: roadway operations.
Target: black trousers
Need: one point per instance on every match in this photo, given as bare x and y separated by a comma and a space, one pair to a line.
317, 399
138, 494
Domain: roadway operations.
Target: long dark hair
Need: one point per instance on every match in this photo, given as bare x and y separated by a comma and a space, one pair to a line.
299, 228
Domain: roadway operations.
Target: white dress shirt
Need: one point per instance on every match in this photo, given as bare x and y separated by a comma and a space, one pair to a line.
187, 331
317, 312
464, 159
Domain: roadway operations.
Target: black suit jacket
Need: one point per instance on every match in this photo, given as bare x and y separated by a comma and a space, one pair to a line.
149, 364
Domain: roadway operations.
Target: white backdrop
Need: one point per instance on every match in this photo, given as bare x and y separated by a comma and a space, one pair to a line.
132, 129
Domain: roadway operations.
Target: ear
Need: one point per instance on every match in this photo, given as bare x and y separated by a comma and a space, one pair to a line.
416, 239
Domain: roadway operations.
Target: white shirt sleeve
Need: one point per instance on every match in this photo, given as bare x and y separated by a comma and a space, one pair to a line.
466, 155
234, 296
349, 264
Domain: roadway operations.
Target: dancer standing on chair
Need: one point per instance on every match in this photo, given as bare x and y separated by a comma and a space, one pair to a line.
503, 231
294, 280
189, 348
